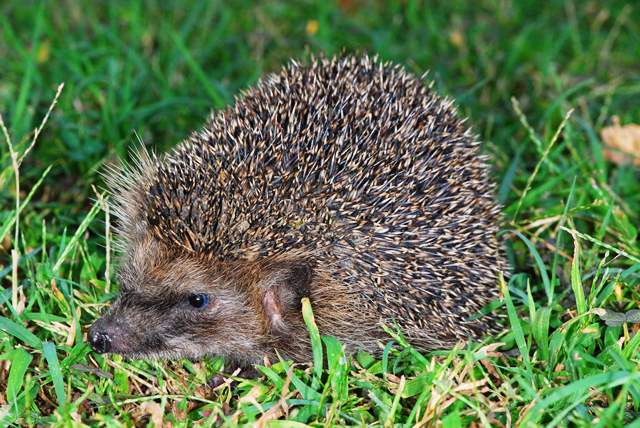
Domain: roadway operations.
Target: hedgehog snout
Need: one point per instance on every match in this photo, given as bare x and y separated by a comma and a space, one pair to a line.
103, 334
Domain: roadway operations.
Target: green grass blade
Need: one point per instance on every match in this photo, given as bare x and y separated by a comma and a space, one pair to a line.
576, 280
542, 268
542, 160
632, 347
389, 421
338, 368
577, 389
559, 231
12, 219
507, 180
20, 360
316, 342
287, 424
215, 94
49, 352
603, 244
20, 332
21, 118
518, 333
95, 209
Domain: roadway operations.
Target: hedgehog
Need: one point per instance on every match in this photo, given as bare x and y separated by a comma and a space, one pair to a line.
345, 180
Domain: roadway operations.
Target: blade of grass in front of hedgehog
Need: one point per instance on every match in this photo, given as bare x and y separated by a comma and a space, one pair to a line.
316, 342
336, 385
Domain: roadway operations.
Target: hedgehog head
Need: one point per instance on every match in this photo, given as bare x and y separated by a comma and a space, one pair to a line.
174, 304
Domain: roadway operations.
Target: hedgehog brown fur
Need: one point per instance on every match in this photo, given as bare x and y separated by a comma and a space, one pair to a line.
347, 181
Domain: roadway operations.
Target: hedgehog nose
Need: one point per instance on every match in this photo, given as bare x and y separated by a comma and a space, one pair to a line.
100, 342
99, 338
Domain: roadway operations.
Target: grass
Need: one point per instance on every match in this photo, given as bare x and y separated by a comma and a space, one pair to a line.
537, 82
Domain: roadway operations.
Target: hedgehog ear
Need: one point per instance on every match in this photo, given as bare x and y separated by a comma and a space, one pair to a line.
283, 288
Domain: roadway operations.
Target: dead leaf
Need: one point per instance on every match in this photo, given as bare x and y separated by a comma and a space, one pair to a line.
470, 386
22, 301
5, 245
154, 411
622, 143
490, 368
489, 351
71, 335
255, 392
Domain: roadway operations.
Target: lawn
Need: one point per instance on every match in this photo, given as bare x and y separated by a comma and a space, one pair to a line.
538, 81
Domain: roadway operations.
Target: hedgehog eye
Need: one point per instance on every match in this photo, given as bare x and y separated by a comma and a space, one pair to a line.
199, 300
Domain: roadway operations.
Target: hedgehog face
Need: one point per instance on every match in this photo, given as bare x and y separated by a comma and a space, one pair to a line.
172, 306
